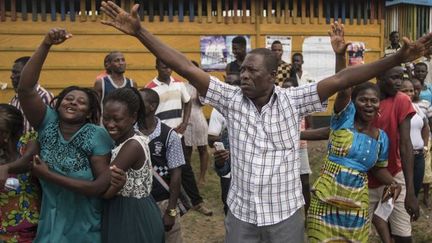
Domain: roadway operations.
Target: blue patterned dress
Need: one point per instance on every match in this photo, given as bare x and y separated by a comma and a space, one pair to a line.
67, 216
340, 200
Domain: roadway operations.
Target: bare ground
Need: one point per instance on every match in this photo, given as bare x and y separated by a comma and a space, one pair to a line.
201, 229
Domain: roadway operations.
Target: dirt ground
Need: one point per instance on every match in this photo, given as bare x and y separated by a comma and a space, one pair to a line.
201, 229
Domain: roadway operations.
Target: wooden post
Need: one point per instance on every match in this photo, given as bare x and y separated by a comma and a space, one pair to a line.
13, 10
312, 12
235, 10
303, 12
181, 11
244, 9
199, 6
294, 12
170, 11
373, 14
336, 11
191, 11
252, 12
2, 10
269, 12
219, 11
209, 11
161, 11
359, 12
34, 10
227, 9
93, 10
83, 15
72, 10
62, 10
151, 10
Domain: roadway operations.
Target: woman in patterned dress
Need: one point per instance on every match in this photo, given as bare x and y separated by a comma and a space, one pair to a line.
19, 208
196, 132
339, 209
76, 150
131, 214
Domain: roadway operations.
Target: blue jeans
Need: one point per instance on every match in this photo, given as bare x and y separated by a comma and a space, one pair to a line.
419, 168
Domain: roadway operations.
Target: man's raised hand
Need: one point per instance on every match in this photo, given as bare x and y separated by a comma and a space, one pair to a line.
128, 23
56, 36
411, 50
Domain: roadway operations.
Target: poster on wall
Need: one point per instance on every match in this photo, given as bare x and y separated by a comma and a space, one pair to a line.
318, 57
356, 52
286, 42
216, 51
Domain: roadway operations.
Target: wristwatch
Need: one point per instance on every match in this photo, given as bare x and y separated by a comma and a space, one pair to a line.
172, 212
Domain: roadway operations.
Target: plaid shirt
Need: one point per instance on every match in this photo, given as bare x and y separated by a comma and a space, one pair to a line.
265, 186
46, 98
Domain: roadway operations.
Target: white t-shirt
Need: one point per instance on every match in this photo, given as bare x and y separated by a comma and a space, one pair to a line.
417, 123
217, 123
171, 96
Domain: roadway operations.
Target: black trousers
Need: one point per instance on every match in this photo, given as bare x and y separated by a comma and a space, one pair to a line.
225, 185
189, 182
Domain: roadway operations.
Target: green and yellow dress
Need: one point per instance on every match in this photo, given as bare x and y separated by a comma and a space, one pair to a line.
340, 203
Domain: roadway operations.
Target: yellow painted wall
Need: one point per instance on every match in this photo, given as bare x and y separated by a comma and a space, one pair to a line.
79, 60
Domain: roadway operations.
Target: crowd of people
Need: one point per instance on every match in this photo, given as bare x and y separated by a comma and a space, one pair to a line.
113, 163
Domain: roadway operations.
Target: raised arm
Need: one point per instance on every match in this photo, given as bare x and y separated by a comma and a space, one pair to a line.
339, 47
33, 106
321, 133
355, 75
130, 24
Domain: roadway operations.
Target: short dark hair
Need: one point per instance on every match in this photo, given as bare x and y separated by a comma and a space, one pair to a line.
12, 120
421, 64
132, 99
393, 32
276, 42
23, 60
94, 105
362, 87
270, 59
150, 96
297, 54
109, 56
239, 40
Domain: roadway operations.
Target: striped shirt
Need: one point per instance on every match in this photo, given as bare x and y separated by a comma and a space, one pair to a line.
46, 98
172, 96
264, 147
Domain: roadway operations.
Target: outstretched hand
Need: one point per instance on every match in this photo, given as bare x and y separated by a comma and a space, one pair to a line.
56, 36
120, 19
337, 38
412, 50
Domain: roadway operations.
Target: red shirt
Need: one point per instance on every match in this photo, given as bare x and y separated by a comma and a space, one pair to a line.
392, 112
